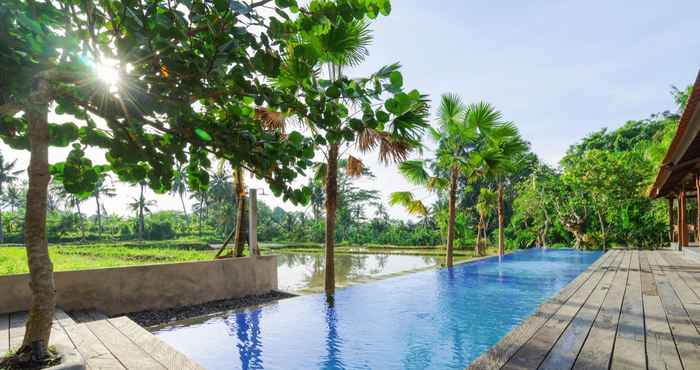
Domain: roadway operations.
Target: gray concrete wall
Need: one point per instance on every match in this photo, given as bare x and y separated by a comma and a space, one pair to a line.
137, 288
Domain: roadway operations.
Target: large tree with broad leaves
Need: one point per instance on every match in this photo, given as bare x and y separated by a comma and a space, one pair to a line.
153, 84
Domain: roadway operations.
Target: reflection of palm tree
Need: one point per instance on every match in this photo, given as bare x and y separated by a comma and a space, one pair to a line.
334, 343
245, 326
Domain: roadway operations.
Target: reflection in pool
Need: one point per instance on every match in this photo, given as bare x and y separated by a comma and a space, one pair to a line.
436, 319
298, 272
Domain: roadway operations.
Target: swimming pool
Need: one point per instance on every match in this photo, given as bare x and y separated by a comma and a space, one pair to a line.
437, 319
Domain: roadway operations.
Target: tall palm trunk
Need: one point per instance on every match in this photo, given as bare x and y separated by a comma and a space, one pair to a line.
38, 328
501, 221
451, 217
331, 205
239, 240
99, 214
184, 208
82, 221
141, 220
479, 231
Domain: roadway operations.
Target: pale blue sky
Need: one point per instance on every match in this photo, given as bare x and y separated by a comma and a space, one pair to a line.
558, 69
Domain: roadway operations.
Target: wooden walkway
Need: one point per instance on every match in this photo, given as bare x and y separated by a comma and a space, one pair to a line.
103, 343
629, 310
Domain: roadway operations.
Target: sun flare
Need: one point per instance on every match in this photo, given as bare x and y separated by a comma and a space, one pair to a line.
108, 72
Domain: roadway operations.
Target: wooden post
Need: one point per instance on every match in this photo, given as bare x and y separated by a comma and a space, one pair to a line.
682, 222
253, 223
671, 221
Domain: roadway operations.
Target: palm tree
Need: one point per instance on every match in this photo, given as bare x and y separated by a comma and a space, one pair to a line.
8, 174
501, 156
461, 133
484, 205
345, 45
140, 205
180, 187
102, 190
70, 200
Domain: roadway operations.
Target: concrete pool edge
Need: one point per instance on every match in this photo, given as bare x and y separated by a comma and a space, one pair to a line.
498, 354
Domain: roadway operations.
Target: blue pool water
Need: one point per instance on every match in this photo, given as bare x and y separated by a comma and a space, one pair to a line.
438, 319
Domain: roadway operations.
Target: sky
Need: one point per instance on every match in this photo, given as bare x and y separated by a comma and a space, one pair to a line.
558, 69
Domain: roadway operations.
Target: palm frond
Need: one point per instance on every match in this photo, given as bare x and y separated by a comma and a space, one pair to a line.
367, 139
482, 116
437, 183
408, 201
392, 150
414, 171
345, 44
270, 120
354, 167
451, 110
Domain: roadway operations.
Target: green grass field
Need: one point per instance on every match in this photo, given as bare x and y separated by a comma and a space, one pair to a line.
68, 257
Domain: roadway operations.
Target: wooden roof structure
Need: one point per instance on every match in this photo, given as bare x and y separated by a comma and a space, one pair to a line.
682, 160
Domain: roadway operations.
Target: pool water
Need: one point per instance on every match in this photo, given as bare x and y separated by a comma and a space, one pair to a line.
437, 319
304, 272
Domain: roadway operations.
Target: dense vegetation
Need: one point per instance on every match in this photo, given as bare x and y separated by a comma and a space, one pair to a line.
167, 89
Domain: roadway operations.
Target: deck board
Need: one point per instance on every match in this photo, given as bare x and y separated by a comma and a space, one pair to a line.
597, 350
630, 310
509, 345
629, 342
4, 334
126, 351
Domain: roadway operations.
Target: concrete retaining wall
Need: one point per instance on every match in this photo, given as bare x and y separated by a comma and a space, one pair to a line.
137, 288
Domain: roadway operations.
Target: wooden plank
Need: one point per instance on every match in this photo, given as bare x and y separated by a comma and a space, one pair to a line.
686, 295
499, 354
630, 350
660, 347
159, 350
4, 334
647, 276
684, 332
597, 349
18, 320
532, 353
564, 352
128, 353
63, 318
95, 353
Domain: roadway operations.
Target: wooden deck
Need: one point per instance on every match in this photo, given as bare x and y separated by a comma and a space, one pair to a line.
103, 343
629, 310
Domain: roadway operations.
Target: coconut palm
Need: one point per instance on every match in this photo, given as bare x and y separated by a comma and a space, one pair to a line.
484, 204
8, 174
180, 187
70, 201
501, 156
331, 98
102, 190
462, 131
140, 205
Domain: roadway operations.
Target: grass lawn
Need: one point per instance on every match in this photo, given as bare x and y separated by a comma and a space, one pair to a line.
13, 260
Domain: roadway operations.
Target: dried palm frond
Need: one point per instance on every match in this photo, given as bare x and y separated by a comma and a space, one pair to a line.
367, 139
271, 120
392, 150
354, 167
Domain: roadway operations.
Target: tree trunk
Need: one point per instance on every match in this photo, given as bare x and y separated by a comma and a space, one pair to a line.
477, 249
451, 217
2, 227
239, 240
501, 221
331, 204
545, 230
602, 230
80, 218
99, 215
141, 220
184, 208
38, 329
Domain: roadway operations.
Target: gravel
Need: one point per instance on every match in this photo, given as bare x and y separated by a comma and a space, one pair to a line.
152, 318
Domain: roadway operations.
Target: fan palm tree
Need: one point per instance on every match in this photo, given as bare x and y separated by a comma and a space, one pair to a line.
484, 204
180, 187
102, 190
8, 174
462, 131
395, 134
501, 156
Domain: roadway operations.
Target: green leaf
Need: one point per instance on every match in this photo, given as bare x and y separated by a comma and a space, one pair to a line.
396, 79
202, 134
